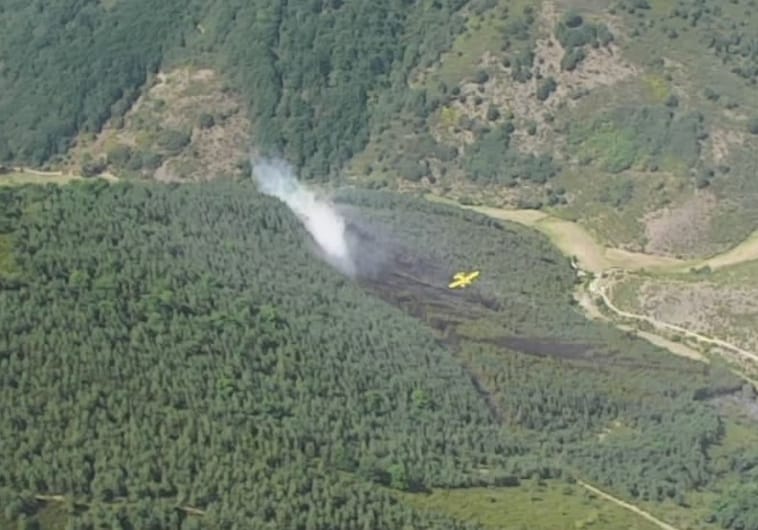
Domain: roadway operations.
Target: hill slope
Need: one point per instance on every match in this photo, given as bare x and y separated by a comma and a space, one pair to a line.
174, 346
638, 118
157, 342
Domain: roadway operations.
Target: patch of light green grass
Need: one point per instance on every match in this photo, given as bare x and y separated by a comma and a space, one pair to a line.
7, 263
547, 505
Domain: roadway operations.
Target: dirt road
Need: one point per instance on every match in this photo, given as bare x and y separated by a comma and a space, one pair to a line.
598, 287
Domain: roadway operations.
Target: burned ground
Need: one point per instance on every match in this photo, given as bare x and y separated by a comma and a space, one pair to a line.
415, 281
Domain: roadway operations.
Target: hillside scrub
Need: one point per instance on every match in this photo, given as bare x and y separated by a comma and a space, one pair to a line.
307, 84
625, 136
574, 33
492, 159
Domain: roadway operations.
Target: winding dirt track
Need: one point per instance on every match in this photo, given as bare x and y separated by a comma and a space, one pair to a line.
598, 288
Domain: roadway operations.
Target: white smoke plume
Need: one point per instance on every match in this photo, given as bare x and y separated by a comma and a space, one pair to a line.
277, 179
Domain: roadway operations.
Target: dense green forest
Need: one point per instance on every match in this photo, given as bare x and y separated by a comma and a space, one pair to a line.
175, 355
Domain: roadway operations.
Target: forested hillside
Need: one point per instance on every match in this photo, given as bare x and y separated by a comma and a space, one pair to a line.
156, 348
175, 355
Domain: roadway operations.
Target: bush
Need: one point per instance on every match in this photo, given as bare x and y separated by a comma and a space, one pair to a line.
206, 121
481, 77
546, 87
173, 140
119, 155
151, 160
572, 19
90, 167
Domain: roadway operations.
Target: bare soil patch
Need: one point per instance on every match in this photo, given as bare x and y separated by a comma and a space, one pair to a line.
722, 141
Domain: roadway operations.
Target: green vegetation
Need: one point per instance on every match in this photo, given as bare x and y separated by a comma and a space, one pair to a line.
69, 67
537, 505
491, 159
653, 135
363, 88
311, 82
178, 346
574, 33
174, 356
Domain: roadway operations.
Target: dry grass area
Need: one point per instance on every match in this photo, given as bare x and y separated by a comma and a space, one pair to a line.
722, 142
187, 126
573, 239
681, 230
726, 312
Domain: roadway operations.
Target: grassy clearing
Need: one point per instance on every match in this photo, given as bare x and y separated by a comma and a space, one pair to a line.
574, 239
745, 251
546, 505
614, 205
625, 293
712, 304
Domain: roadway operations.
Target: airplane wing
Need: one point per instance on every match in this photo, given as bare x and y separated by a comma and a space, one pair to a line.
462, 279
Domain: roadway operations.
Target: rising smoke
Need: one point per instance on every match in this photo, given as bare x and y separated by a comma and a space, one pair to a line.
327, 227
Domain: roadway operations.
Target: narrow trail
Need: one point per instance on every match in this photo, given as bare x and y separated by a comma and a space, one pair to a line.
626, 505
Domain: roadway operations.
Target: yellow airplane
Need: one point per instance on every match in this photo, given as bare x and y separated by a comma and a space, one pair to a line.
463, 279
